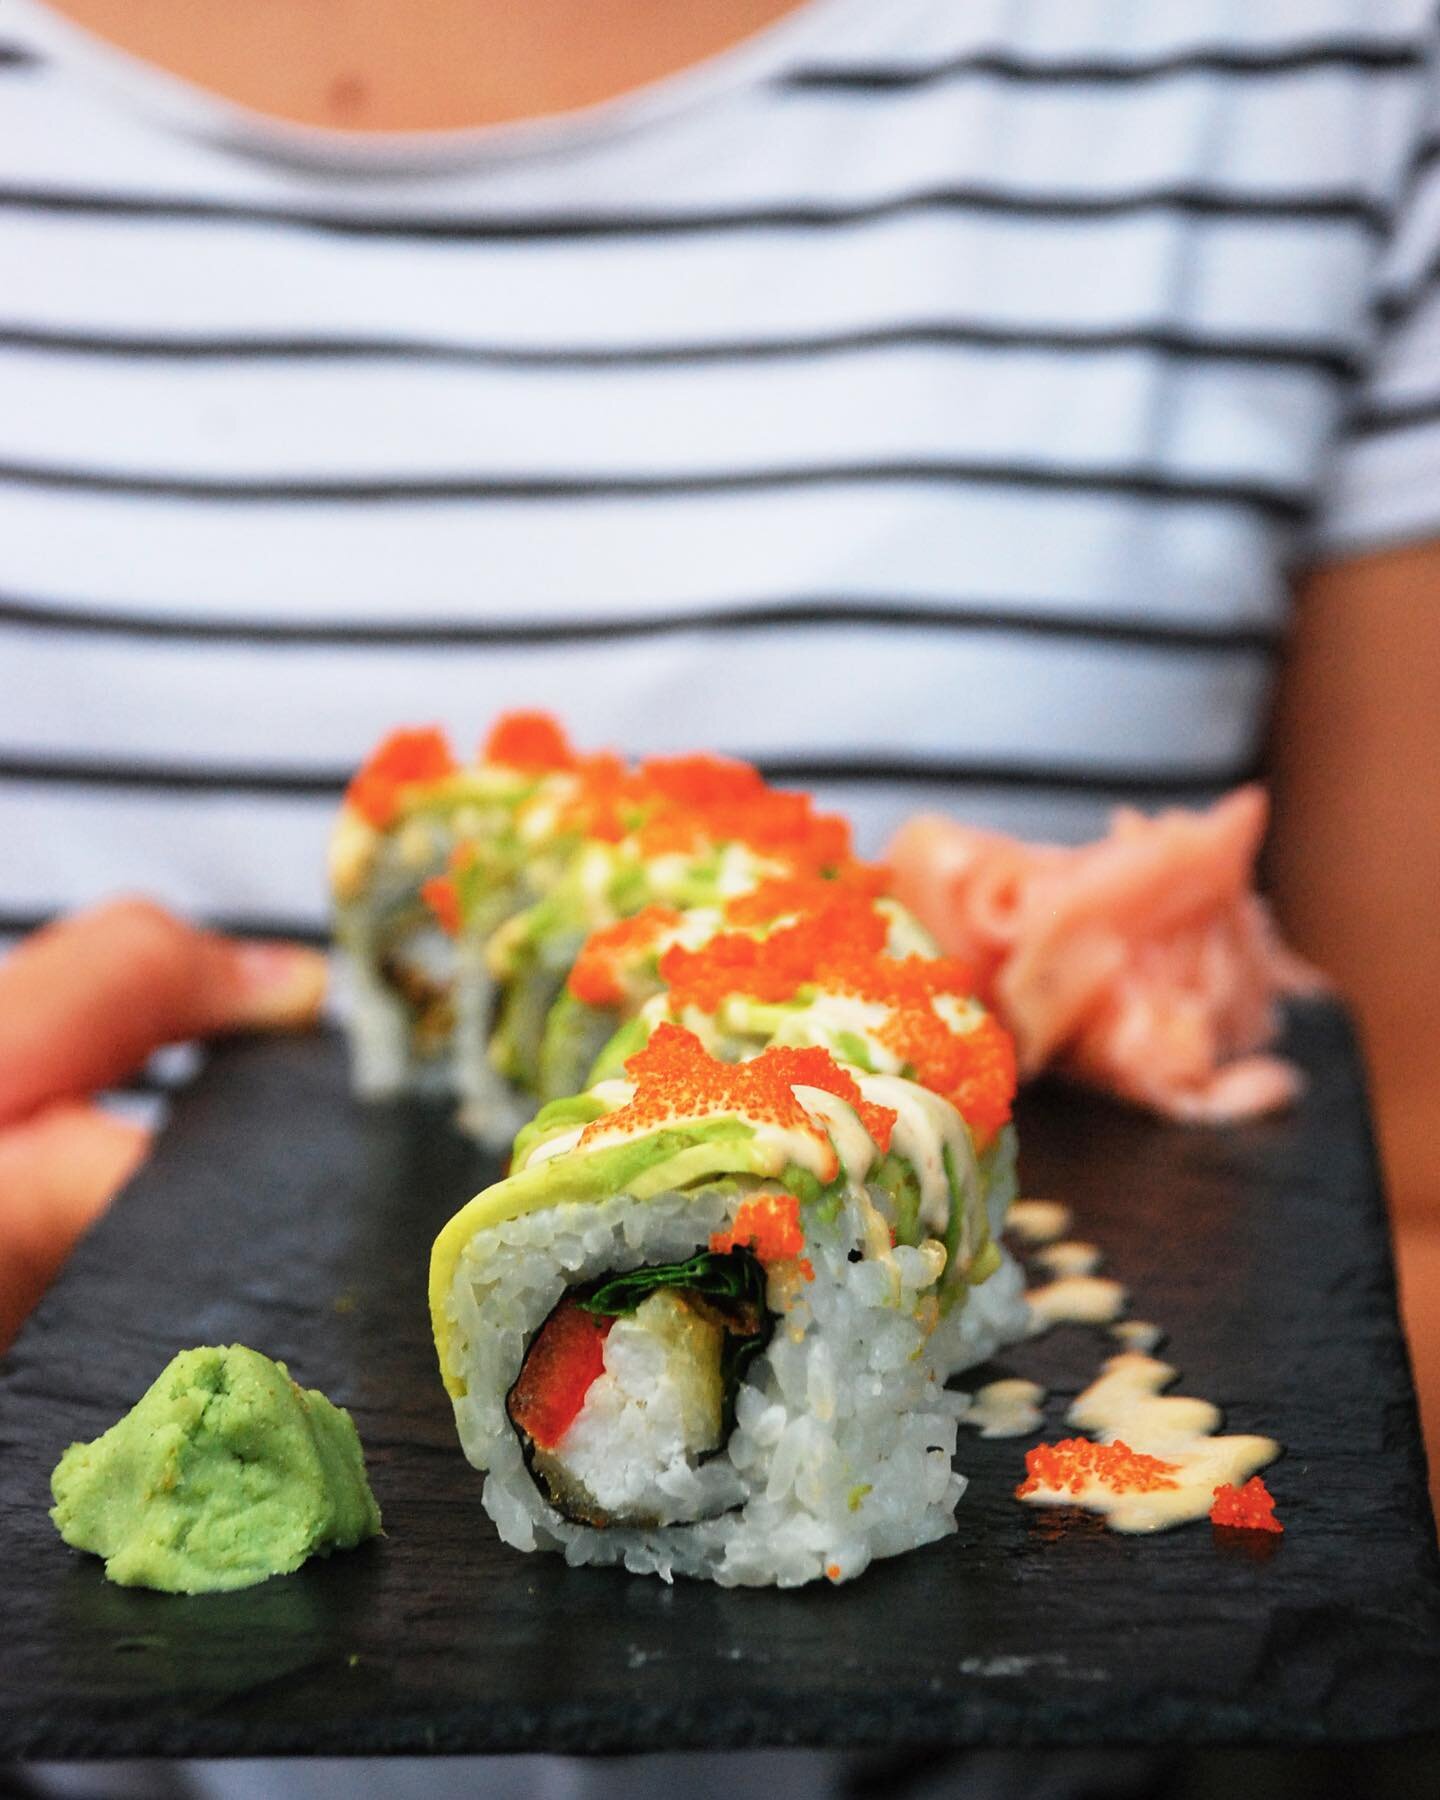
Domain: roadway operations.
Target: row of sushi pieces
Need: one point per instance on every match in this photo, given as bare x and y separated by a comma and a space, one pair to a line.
752, 1218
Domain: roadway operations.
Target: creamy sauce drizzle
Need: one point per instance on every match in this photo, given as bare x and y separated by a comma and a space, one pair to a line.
961, 1015
541, 817
560, 1145
597, 867
837, 1119
826, 1020
1137, 1334
1004, 1409
925, 1124
742, 870
1075, 1300
907, 936
877, 1241
1038, 1221
611, 1094
635, 976
1126, 1402
1071, 1257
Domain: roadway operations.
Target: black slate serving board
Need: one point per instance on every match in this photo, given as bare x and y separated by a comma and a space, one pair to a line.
278, 1213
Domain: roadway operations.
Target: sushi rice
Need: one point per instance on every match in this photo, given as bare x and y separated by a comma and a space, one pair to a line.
838, 1433
844, 1433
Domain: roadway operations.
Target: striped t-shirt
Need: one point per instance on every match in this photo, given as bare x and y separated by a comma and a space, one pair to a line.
930, 401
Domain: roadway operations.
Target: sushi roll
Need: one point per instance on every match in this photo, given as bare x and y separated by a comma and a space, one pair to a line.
691, 1332
618, 967
906, 1026
678, 832
412, 818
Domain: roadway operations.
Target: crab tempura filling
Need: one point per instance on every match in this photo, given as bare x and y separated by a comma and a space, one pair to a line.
627, 1392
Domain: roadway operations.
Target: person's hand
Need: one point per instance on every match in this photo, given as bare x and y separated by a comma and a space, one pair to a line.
83, 1003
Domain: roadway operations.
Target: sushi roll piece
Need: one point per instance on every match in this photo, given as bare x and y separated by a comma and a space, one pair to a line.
618, 968
685, 1334
679, 832
414, 817
385, 845
912, 1034
736, 980
615, 972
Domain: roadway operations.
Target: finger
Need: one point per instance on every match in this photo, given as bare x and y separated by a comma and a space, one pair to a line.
85, 1001
58, 1171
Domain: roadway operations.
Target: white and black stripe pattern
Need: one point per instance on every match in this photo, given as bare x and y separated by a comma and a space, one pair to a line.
928, 402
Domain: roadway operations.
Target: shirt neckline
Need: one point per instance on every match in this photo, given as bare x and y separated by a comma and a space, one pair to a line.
194, 111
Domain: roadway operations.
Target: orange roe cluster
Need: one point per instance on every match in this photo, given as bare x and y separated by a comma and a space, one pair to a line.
676, 1079
1248, 1508
611, 953
606, 803
768, 1224
597, 978
534, 742
441, 893
1072, 1464
780, 895
442, 896
975, 1070
684, 804
404, 759
846, 928
771, 822
836, 949
701, 781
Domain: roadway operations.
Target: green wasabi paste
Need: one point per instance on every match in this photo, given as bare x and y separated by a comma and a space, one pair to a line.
224, 1473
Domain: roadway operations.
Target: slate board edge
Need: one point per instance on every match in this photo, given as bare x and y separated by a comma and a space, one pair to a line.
919, 1721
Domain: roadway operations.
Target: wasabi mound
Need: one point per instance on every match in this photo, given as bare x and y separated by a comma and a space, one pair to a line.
224, 1473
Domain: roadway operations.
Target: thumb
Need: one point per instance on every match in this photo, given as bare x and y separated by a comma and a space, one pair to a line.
85, 1001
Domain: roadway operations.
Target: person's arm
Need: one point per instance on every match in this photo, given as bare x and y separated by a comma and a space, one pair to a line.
1355, 848
82, 1004
1356, 873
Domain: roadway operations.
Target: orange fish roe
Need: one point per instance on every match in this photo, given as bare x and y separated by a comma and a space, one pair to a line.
832, 1571
1248, 1508
687, 804
836, 949
676, 1079
771, 822
1073, 1463
691, 801
975, 1070
701, 780
611, 953
596, 978
399, 761
816, 1068
768, 1224
442, 896
530, 741
846, 928
606, 804
782, 894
